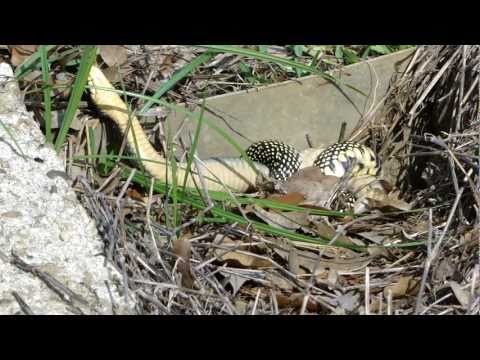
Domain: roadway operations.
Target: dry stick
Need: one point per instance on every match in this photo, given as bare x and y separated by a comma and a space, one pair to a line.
108, 180
462, 85
273, 299
435, 251
430, 86
472, 289
470, 90
150, 229
424, 311
367, 291
256, 301
23, 305
118, 213
340, 231
66, 294
380, 304
425, 269
389, 302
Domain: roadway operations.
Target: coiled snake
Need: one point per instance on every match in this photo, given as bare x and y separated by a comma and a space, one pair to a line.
271, 159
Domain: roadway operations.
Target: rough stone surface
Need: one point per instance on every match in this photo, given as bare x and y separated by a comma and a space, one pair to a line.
43, 224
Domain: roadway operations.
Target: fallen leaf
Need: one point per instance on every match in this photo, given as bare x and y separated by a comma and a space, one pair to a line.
278, 282
63, 85
19, 53
234, 280
462, 295
406, 285
309, 261
328, 232
444, 270
113, 55
182, 248
239, 257
316, 187
373, 236
293, 198
295, 301
135, 195
348, 301
291, 220
32, 76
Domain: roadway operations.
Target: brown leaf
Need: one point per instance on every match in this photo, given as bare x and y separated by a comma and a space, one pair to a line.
134, 194
295, 301
462, 295
328, 232
291, 220
277, 281
21, 52
182, 248
113, 55
308, 260
312, 184
239, 257
235, 281
293, 198
391, 201
406, 285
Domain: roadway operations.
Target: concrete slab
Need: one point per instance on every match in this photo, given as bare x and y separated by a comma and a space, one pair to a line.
60, 268
290, 110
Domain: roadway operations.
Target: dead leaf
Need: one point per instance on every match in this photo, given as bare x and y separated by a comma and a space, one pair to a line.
19, 53
293, 198
462, 295
470, 238
444, 270
291, 220
278, 282
135, 195
406, 285
63, 85
234, 280
348, 301
113, 55
295, 301
239, 257
309, 261
312, 184
32, 76
182, 248
328, 232
373, 236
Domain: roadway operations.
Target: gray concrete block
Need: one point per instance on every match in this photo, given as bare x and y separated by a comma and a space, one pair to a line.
290, 110
42, 222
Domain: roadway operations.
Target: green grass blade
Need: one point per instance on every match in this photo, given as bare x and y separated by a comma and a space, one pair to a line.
231, 217
88, 58
177, 76
170, 152
191, 153
279, 60
47, 90
30, 63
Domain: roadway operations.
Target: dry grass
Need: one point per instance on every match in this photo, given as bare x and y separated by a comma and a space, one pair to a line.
425, 261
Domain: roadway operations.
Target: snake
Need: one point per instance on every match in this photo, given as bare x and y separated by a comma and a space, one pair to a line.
271, 159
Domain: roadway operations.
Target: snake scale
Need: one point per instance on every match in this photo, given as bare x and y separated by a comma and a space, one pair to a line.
272, 159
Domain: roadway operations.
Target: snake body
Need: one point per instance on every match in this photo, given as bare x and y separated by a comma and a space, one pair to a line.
270, 158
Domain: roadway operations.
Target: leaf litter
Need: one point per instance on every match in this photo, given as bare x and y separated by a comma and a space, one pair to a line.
420, 241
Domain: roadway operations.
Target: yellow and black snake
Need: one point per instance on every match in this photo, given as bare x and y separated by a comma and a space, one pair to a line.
271, 158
